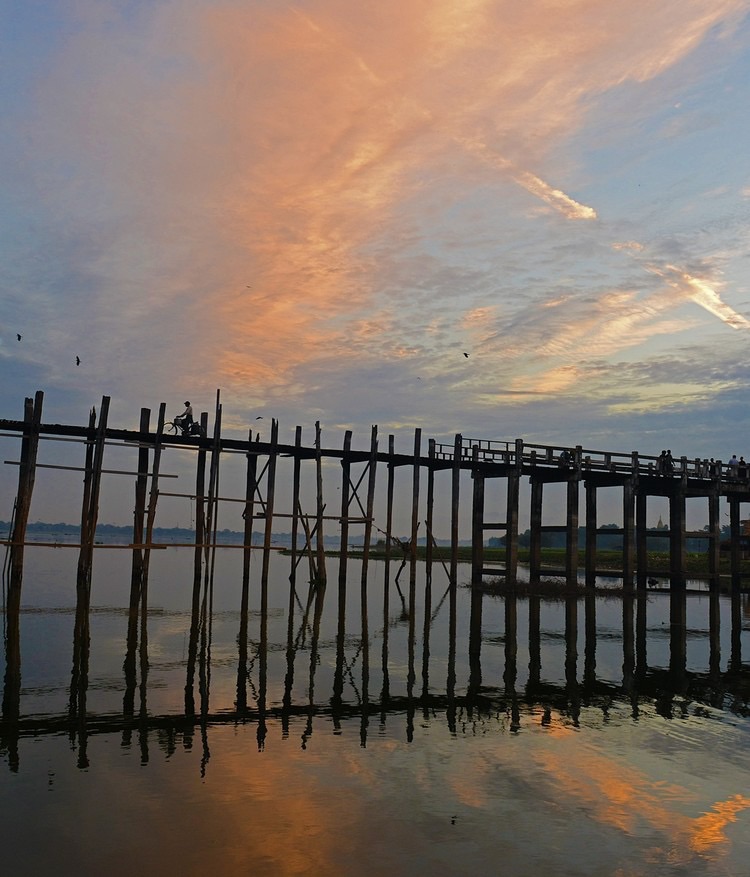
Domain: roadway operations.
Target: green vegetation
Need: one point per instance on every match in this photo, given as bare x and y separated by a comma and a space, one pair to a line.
658, 561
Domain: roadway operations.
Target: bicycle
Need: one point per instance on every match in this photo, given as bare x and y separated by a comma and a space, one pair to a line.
175, 427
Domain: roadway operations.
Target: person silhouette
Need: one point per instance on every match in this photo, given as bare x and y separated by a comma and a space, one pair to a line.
185, 420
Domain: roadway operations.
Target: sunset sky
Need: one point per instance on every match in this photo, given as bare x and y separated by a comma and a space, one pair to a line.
318, 207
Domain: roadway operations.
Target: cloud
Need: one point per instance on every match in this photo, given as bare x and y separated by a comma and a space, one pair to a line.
259, 196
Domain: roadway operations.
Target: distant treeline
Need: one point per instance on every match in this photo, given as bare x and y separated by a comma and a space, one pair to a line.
112, 533
607, 542
42, 531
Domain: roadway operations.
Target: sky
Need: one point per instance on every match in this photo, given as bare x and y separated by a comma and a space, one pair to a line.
319, 207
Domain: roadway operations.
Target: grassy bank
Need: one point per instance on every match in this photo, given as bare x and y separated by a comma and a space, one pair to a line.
658, 561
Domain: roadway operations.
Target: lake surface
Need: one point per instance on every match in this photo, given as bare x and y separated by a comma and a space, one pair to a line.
476, 734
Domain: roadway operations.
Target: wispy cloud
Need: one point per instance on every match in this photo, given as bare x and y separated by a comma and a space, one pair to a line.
294, 194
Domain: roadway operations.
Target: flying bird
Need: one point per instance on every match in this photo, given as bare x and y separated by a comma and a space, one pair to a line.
259, 417
18, 336
78, 360
466, 355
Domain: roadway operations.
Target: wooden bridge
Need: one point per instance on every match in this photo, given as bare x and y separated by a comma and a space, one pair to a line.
636, 475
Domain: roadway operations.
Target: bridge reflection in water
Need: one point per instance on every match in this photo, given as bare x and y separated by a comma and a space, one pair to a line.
424, 659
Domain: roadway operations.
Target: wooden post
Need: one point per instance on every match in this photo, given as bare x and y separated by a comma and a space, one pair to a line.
641, 540
535, 548
200, 506
92, 485
571, 530
415, 509
628, 526
247, 542
430, 504
511, 526
455, 490
387, 571
320, 506
370, 507
200, 540
212, 517
389, 507
677, 541
591, 525
477, 519
151, 508
139, 515
270, 495
12, 688
295, 499
734, 535
345, 486
88, 478
248, 512
714, 539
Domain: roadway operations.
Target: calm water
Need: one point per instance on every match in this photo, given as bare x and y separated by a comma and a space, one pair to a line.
578, 737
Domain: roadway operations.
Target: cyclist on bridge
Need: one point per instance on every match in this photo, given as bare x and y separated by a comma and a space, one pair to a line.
185, 420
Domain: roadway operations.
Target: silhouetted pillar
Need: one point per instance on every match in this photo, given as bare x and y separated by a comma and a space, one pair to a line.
734, 531
477, 520
511, 527
571, 530
591, 524
628, 526
677, 541
535, 548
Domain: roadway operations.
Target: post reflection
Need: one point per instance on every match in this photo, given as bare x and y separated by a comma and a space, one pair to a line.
340, 681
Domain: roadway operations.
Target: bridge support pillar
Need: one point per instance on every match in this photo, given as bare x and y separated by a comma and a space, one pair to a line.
535, 547
641, 544
571, 530
591, 524
677, 540
477, 523
628, 533
734, 530
511, 527
714, 540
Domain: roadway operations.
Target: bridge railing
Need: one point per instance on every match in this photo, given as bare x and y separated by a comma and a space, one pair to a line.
523, 453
